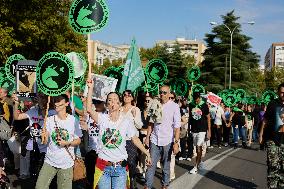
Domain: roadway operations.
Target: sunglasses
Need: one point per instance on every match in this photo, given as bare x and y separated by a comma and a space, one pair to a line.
163, 92
172, 98
147, 101
127, 95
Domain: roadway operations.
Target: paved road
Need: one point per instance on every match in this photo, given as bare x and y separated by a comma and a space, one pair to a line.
224, 168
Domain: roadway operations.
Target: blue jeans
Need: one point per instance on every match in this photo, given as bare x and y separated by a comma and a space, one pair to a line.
255, 134
239, 131
156, 153
113, 178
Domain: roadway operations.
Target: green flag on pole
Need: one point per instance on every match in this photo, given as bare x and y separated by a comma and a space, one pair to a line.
133, 74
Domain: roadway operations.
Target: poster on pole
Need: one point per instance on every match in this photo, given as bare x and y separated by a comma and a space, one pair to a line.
103, 85
26, 79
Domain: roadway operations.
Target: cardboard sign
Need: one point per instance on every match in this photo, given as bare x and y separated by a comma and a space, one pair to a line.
102, 86
26, 79
11, 64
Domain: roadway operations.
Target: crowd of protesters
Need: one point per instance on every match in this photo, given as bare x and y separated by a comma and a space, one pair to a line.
127, 137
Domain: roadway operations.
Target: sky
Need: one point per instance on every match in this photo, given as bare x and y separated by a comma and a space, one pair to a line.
152, 20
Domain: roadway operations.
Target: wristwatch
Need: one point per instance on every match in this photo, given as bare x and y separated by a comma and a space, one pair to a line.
176, 141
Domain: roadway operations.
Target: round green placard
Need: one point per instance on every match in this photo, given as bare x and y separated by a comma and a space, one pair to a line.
268, 95
156, 71
193, 73
252, 100
55, 74
179, 86
2, 73
198, 88
88, 16
79, 63
8, 84
10, 66
230, 100
240, 94
151, 87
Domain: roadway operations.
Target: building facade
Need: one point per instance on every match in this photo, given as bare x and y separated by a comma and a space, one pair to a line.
193, 48
274, 56
99, 51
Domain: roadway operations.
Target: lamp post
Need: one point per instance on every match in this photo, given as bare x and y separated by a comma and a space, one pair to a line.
231, 47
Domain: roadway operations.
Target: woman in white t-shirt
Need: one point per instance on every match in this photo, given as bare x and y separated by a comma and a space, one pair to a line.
63, 133
134, 113
114, 129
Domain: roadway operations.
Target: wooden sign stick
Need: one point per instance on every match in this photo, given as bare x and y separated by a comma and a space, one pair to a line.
44, 137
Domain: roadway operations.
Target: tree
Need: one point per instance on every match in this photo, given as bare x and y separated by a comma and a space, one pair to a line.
35, 27
274, 77
218, 50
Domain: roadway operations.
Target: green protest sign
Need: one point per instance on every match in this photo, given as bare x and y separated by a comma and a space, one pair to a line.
198, 88
156, 71
230, 100
240, 94
88, 16
8, 84
251, 100
179, 86
193, 73
55, 74
2, 73
11, 64
120, 69
268, 95
150, 87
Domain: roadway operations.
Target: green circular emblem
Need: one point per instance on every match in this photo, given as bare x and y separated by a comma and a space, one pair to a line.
2, 73
268, 95
120, 69
179, 86
240, 94
114, 137
230, 100
64, 134
8, 84
151, 87
198, 88
79, 63
10, 66
156, 71
55, 74
251, 100
193, 73
88, 16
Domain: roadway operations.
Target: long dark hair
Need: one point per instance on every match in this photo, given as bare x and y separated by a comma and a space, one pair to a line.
130, 92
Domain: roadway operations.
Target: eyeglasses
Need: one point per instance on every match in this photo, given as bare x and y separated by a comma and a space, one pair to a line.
147, 101
163, 92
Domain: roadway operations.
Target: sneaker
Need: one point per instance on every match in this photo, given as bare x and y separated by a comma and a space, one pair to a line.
193, 170
181, 158
226, 144
188, 159
235, 145
211, 147
219, 147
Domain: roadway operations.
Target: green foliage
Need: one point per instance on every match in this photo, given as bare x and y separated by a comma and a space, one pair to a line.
35, 27
217, 54
274, 77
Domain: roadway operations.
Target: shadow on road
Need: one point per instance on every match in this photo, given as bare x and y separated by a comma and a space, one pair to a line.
229, 181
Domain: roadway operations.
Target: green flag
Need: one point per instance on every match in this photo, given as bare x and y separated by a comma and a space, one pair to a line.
133, 74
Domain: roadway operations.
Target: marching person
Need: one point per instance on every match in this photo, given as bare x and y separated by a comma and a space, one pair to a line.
63, 134
164, 134
134, 112
114, 129
273, 123
199, 119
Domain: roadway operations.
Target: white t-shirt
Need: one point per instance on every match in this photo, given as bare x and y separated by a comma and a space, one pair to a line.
218, 116
36, 124
115, 150
93, 132
69, 130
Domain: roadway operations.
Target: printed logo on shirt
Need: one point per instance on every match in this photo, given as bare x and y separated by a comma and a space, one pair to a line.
35, 130
113, 140
196, 113
279, 118
93, 130
59, 132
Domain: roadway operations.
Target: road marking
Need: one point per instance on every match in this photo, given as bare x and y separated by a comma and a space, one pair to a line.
188, 180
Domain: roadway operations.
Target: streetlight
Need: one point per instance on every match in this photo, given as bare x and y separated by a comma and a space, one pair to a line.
231, 49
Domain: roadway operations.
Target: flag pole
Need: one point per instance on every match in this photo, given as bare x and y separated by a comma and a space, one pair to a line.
43, 137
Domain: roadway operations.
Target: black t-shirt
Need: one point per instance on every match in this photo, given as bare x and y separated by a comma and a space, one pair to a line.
198, 117
239, 118
274, 116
